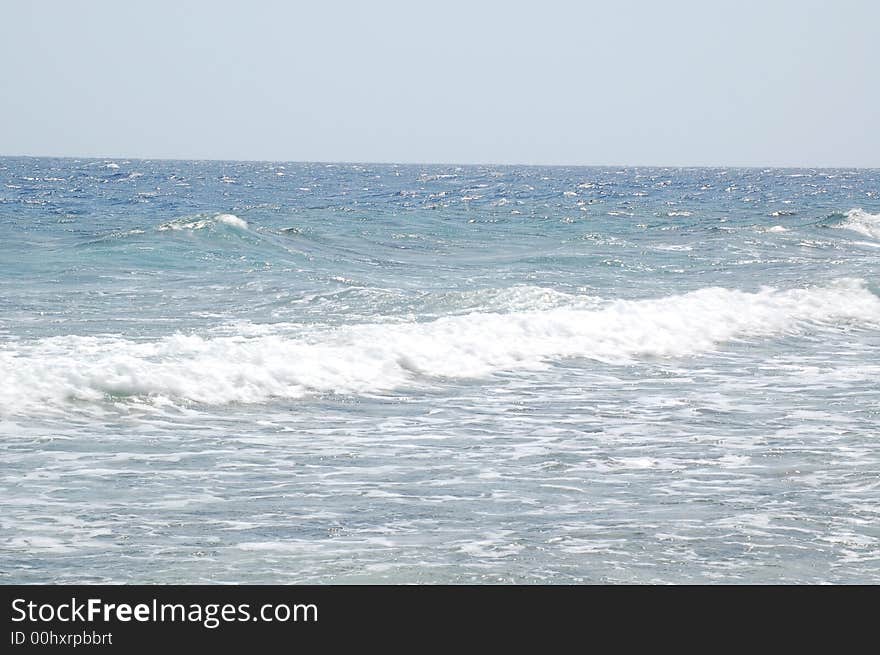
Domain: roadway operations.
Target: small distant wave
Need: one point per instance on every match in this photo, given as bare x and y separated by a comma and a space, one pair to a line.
673, 247
775, 229
862, 222
201, 222
384, 356
233, 220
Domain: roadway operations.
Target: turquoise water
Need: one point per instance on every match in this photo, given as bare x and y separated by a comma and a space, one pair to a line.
265, 372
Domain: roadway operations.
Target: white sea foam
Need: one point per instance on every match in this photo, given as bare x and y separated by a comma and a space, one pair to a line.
201, 223
233, 220
673, 247
862, 222
381, 357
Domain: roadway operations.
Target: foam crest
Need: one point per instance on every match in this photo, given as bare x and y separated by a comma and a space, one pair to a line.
200, 223
380, 357
862, 222
232, 220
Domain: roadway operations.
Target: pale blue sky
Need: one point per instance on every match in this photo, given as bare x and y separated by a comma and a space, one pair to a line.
544, 82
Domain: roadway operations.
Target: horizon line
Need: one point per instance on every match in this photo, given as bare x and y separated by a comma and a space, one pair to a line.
439, 163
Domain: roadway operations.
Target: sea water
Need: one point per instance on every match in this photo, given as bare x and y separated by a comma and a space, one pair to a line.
338, 373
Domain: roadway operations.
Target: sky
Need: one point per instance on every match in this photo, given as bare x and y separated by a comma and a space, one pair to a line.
673, 83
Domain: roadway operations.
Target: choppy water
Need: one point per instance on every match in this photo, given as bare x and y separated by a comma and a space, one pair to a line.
254, 372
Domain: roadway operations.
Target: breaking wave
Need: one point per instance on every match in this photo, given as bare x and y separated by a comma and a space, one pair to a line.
862, 222
202, 222
292, 362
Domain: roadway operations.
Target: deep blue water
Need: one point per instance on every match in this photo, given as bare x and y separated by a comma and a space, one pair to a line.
265, 372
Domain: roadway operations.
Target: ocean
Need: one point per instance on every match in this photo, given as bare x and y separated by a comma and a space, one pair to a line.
253, 372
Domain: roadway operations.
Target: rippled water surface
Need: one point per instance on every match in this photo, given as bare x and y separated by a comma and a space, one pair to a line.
264, 372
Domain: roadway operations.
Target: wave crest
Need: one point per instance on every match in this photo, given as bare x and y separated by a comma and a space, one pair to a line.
202, 222
862, 222
379, 357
